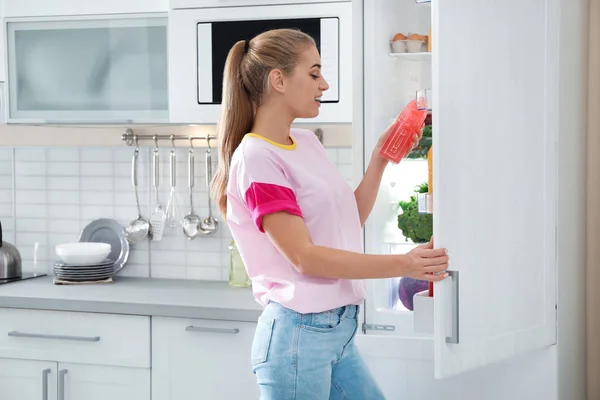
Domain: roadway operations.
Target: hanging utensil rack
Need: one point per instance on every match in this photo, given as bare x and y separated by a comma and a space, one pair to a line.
130, 138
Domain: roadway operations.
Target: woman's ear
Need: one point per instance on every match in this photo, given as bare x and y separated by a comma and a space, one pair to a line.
277, 81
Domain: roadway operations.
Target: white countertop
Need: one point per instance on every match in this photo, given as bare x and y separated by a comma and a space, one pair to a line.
136, 296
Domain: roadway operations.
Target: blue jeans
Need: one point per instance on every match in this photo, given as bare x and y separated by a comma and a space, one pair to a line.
310, 356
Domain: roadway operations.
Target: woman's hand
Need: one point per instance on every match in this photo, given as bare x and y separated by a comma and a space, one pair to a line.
384, 136
424, 262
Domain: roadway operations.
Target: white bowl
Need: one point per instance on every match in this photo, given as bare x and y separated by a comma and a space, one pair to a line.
84, 253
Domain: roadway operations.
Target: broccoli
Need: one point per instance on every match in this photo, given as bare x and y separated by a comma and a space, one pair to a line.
414, 226
424, 144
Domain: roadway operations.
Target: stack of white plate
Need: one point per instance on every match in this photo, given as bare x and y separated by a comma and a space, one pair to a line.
84, 272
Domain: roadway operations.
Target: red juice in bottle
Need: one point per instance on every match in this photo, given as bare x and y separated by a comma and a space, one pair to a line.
400, 139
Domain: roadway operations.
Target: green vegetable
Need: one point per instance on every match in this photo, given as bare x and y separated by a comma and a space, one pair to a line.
414, 226
424, 144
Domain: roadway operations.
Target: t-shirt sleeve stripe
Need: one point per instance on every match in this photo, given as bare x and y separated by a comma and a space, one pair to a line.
266, 198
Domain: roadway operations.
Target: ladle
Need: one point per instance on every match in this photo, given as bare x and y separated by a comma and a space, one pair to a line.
191, 223
210, 224
139, 228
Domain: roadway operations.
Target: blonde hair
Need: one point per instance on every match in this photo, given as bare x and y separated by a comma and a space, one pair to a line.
245, 82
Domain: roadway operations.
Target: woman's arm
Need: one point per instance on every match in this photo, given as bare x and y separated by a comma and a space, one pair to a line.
366, 192
291, 237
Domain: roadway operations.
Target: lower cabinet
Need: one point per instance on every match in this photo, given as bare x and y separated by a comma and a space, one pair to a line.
35, 380
202, 359
51, 355
28, 380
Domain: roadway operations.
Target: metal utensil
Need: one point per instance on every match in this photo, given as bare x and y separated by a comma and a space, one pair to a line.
158, 217
139, 228
191, 223
210, 224
173, 218
10, 260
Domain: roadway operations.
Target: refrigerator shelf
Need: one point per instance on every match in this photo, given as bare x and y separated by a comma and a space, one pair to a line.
423, 312
423, 56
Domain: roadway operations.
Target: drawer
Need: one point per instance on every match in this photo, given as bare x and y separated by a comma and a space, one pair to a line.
195, 358
101, 339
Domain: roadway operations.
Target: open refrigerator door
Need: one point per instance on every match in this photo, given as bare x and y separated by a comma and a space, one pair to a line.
397, 74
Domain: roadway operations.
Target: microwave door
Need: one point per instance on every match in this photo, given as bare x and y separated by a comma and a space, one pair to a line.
215, 39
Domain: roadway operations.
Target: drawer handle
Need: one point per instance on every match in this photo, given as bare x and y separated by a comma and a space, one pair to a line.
61, 384
87, 121
55, 337
232, 331
45, 374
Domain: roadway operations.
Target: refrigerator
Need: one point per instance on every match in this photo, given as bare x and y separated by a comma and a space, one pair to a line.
492, 75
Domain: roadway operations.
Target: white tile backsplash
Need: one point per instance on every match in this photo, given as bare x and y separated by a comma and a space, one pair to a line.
6, 182
7, 209
58, 191
61, 154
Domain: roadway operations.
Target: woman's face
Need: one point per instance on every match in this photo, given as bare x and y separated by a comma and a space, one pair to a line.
305, 86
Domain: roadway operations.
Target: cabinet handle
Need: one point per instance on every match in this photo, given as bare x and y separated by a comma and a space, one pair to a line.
61, 384
454, 338
55, 337
232, 331
45, 374
87, 121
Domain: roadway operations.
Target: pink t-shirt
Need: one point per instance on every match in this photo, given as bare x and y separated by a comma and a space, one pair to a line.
267, 177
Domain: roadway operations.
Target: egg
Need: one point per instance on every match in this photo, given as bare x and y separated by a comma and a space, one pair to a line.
399, 36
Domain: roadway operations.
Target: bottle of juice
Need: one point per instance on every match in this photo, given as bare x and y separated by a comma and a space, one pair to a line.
429, 42
430, 191
237, 272
430, 170
400, 139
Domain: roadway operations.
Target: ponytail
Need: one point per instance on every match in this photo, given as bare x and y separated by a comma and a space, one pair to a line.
245, 82
236, 119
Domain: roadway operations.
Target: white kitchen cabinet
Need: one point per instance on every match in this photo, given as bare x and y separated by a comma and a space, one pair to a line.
88, 69
2, 49
93, 382
176, 4
87, 356
38, 8
72, 337
495, 102
34, 380
27, 380
203, 359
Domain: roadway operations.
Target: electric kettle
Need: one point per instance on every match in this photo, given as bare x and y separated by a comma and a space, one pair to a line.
10, 260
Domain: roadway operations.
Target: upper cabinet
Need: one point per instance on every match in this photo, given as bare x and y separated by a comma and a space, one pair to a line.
175, 4
40, 8
87, 69
2, 49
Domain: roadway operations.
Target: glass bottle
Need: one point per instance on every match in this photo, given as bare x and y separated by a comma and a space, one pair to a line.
237, 271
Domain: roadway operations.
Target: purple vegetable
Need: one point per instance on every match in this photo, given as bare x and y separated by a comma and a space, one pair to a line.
407, 288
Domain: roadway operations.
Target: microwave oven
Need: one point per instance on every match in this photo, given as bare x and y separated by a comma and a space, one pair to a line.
200, 39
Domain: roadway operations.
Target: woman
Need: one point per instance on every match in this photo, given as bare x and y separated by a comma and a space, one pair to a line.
298, 224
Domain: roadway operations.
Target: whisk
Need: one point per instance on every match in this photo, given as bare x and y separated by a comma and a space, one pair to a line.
173, 216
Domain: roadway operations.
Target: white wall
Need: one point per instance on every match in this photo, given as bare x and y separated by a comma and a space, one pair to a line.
571, 201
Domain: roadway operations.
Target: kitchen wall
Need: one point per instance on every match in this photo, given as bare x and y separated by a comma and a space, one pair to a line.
49, 194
